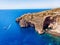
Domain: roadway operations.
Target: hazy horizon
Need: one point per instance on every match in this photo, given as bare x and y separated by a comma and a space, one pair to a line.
29, 4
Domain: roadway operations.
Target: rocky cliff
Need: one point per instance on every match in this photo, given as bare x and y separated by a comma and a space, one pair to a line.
45, 21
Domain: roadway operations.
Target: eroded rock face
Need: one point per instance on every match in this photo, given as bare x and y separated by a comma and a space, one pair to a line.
41, 21
55, 26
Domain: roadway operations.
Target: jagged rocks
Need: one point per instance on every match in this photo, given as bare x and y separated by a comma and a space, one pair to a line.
38, 20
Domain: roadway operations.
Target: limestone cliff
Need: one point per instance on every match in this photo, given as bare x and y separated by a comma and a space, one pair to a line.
41, 21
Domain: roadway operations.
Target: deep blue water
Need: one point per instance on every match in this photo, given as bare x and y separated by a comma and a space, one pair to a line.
12, 34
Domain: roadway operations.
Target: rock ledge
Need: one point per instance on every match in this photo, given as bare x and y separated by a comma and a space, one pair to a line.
45, 21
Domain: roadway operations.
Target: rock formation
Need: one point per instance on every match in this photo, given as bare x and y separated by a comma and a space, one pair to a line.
41, 21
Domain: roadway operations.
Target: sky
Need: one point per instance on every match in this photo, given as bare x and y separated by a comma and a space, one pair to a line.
29, 4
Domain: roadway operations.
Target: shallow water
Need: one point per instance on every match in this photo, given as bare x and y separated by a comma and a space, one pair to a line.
12, 34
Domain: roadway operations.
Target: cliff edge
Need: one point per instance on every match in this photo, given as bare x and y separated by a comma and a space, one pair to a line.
45, 21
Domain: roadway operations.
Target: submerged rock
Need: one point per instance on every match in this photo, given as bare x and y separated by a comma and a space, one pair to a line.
42, 21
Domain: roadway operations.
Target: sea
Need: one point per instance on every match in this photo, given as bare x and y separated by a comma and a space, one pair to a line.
12, 34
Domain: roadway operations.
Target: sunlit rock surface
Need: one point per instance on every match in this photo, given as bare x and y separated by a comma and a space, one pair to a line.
41, 21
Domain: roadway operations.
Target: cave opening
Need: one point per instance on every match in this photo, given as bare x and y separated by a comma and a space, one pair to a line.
46, 23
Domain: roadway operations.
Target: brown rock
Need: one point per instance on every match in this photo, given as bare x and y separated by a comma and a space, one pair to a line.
40, 20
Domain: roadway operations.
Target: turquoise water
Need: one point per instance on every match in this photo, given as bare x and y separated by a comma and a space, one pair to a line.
12, 34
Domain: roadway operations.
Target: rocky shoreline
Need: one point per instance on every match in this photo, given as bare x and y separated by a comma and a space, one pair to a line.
45, 21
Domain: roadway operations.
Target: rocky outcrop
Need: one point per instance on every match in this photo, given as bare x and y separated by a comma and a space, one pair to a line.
41, 20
